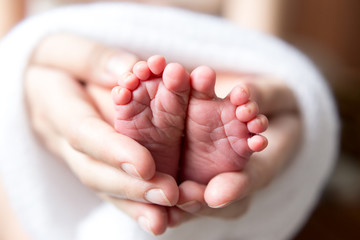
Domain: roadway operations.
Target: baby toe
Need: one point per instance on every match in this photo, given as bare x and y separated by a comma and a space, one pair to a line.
203, 81
257, 143
239, 95
156, 64
258, 125
128, 80
141, 70
176, 78
247, 112
121, 96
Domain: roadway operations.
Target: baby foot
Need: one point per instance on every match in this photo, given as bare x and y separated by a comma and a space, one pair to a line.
151, 105
221, 134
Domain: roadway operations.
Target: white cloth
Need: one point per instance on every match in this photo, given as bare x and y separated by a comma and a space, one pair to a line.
52, 204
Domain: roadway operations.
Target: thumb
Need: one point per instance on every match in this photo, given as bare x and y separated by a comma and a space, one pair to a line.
83, 58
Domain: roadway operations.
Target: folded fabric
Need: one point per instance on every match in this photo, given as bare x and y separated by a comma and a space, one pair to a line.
52, 204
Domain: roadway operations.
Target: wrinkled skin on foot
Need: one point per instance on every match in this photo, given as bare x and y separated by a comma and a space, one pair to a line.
151, 108
220, 133
154, 106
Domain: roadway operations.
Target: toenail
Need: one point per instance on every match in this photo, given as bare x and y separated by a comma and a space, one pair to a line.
131, 170
191, 207
264, 120
116, 90
123, 78
145, 224
126, 75
157, 196
258, 121
130, 81
243, 92
247, 108
251, 107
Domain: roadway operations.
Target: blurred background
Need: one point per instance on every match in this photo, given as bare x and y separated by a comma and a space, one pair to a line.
328, 31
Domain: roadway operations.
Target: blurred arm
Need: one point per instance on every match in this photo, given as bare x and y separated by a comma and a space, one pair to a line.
11, 12
257, 14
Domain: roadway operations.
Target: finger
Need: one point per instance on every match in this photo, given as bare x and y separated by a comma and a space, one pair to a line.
177, 216
262, 167
196, 198
102, 100
83, 58
232, 211
283, 134
152, 218
66, 106
95, 138
192, 202
161, 189
188, 210
219, 193
191, 197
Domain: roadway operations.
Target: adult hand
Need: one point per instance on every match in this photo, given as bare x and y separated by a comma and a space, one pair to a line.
65, 118
228, 195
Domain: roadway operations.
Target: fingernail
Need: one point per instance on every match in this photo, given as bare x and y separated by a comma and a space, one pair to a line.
124, 78
131, 170
221, 205
129, 81
145, 224
157, 196
190, 207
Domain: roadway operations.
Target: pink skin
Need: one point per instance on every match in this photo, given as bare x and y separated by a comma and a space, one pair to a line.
151, 105
154, 105
219, 132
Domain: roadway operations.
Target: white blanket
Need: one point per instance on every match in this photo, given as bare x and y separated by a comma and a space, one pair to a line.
52, 204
